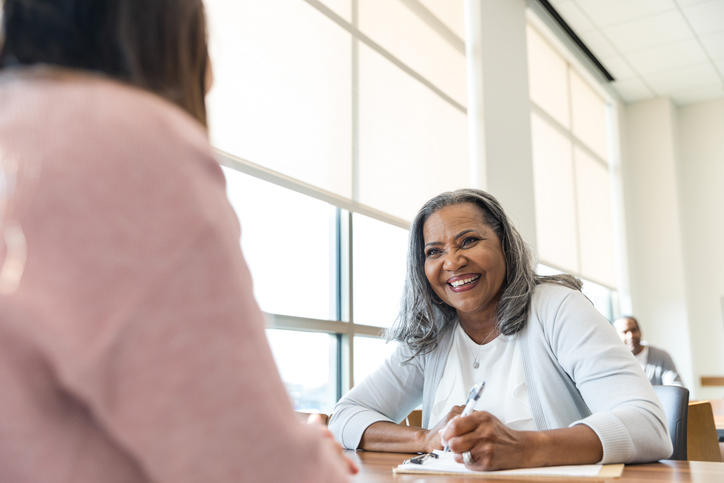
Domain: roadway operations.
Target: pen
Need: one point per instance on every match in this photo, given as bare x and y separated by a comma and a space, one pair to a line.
473, 397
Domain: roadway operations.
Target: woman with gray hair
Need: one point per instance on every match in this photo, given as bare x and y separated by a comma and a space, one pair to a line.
559, 386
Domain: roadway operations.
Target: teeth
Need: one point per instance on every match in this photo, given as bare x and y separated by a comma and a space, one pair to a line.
463, 281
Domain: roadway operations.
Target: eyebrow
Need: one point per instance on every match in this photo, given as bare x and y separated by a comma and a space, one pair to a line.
462, 233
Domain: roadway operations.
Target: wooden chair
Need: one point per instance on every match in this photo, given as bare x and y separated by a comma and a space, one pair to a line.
414, 418
702, 441
717, 405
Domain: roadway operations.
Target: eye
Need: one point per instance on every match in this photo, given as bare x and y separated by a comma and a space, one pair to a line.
469, 241
432, 252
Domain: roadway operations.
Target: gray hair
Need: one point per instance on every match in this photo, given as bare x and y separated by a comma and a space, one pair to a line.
424, 317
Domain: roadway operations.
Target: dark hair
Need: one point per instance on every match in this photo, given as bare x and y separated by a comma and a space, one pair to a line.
634, 319
157, 45
423, 316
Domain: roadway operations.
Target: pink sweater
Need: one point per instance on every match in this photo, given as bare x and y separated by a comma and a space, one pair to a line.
133, 349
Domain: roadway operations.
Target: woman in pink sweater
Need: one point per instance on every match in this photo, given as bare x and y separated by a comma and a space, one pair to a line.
131, 348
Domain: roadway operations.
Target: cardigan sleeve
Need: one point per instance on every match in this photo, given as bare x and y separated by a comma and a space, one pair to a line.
626, 414
388, 394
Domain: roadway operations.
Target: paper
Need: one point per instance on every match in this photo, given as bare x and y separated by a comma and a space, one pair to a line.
445, 464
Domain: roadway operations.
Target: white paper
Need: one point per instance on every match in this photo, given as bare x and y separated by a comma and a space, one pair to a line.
445, 463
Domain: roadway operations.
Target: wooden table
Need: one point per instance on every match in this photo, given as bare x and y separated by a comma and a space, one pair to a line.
377, 467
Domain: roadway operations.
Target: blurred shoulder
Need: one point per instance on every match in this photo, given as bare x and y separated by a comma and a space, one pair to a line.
101, 150
90, 116
656, 353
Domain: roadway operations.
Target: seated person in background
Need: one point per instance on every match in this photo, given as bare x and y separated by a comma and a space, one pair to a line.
656, 363
131, 348
560, 387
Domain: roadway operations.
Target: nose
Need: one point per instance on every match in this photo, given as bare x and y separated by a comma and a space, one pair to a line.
454, 260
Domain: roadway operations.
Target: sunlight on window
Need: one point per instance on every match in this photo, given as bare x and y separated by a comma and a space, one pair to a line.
412, 143
281, 96
575, 215
554, 196
288, 243
380, 251
306, 362
364, 100
601, 297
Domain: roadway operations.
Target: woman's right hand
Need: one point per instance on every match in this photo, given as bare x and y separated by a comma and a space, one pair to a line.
433, 439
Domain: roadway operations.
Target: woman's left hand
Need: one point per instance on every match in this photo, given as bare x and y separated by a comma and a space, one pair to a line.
492, 445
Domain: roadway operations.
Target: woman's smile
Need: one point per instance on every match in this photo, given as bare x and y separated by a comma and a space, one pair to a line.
464, 261
461, 283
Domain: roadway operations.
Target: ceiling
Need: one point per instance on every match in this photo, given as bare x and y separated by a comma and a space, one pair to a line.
670, 48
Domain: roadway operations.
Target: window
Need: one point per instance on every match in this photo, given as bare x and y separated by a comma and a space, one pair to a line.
603, 298
380, 252
289, 246
406, 131
281, 96
318, 110
311, 380
570, 139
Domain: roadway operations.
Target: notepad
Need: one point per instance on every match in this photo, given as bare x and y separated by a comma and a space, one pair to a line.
445, 464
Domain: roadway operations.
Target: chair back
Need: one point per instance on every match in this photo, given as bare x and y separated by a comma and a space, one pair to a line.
675, 401
414, 418
702, 440
717, 406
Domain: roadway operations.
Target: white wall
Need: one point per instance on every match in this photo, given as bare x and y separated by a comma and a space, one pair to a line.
701, 188
653, 228
673, 177
499, 108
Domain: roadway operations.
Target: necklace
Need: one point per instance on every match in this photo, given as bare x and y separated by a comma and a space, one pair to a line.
476, 362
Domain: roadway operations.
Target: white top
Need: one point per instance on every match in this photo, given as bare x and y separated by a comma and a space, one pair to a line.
643, 356
501, 367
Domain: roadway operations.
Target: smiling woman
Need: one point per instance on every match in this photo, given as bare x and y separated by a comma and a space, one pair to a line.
559, 386
465, 266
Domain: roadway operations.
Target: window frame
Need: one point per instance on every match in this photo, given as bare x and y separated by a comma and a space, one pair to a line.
344, 326
573, 66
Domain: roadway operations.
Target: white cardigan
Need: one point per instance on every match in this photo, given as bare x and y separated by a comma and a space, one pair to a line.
577, 372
